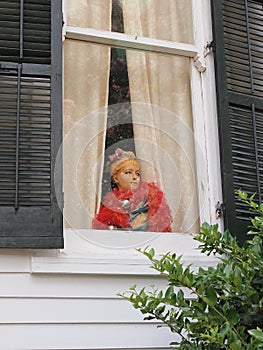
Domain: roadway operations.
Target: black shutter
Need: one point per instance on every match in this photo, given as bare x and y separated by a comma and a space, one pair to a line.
30, 123
238, 35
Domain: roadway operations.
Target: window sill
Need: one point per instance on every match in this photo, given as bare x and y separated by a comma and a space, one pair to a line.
114, 253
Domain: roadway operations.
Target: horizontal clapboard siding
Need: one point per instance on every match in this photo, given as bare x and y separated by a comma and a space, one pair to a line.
81, 310
75, 312
67, 310
89, 337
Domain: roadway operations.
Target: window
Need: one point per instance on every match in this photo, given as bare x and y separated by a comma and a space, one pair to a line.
155, 48
91, 49
238, 28
30, 123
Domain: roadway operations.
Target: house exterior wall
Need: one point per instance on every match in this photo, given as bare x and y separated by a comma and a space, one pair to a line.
65, 311
67, 299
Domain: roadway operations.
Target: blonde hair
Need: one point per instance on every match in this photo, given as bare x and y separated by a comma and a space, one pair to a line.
119, 158
117, 167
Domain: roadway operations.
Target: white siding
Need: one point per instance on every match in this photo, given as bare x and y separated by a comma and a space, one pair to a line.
56, 300
73, 312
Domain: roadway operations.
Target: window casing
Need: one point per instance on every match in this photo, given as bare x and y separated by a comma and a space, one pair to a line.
89, 251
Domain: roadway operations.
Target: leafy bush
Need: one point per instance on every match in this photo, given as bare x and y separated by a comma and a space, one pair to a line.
225, 310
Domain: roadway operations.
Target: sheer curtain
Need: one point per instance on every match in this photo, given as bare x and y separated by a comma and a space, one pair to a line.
86, 72
161, 105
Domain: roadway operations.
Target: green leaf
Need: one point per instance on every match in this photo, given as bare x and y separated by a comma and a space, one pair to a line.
221, 295
211, 295
180, 295
242, 195
160, 295
235, 346
237, 277
151, 253
199, 305
256, 333
224, 330
233, 316
251, 198
169, 292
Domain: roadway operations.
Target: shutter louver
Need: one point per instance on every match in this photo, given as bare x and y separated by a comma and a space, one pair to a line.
36, 31
246, 154
10, 30
30, 123
243, 38
238, 33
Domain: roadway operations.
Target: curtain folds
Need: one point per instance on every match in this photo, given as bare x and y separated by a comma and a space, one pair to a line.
86, 83
161, 105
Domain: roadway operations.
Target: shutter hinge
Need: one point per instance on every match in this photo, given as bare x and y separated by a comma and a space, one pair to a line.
210, 47
220, 210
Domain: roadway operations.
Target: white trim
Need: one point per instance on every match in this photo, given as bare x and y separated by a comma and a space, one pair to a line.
114, 253
199, 34
106, 266
205, 119
130, 41
109, 252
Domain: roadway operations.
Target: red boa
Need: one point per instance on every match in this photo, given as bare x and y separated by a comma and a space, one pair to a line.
111, 212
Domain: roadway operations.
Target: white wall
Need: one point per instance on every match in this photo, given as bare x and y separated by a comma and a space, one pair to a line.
72, 312
57, 300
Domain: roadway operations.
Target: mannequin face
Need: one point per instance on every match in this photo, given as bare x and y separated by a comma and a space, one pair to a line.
128, 177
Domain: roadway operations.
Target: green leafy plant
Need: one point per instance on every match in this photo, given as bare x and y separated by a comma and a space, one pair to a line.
225, 307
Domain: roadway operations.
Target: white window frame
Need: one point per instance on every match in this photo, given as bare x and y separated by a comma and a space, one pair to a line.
94, 256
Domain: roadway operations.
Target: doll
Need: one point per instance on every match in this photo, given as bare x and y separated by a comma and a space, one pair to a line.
132, 204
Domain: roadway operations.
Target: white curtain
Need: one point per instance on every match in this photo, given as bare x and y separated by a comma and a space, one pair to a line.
86, 72
161, 105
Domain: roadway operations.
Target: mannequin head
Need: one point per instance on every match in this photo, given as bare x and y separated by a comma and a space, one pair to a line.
125, 170
128, 177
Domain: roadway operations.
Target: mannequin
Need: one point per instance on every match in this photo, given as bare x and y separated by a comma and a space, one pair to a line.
132, 204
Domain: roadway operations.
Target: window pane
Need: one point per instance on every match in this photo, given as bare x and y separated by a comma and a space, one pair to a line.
151, 92
164, 20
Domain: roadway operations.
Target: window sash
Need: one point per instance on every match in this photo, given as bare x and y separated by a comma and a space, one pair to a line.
126, 41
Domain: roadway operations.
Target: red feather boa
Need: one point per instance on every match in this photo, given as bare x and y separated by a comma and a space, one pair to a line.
111, 212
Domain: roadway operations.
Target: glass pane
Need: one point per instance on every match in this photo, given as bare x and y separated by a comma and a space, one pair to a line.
164, 20
133, 100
